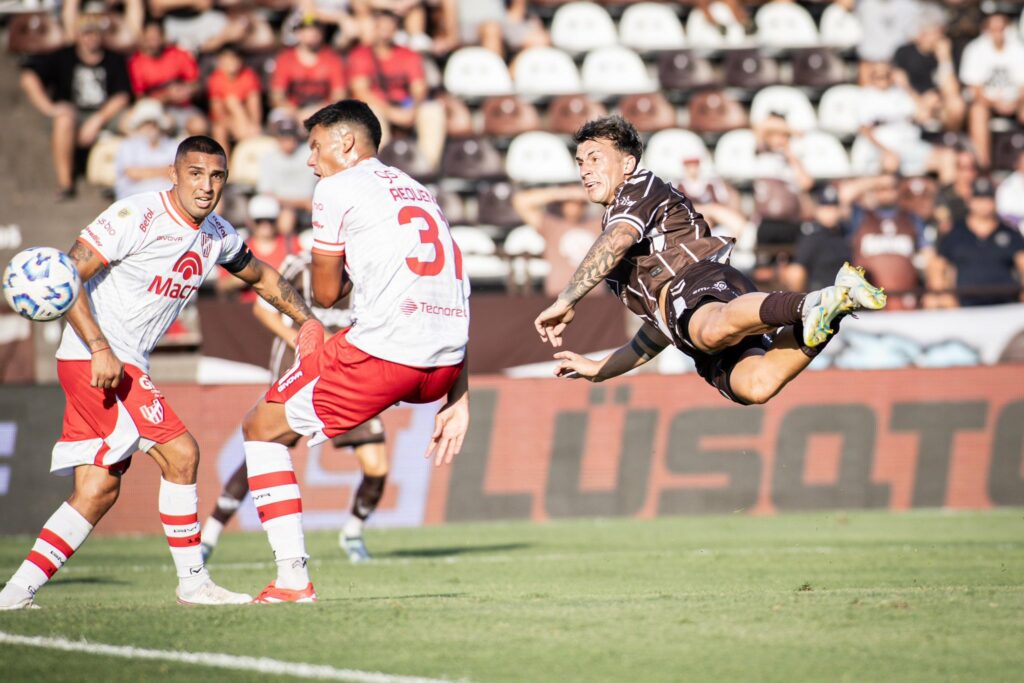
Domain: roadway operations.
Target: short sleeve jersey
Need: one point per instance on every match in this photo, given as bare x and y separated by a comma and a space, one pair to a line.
410, 297
983, 263
305, 85
150, 74
390, 78
221, 86
155, 258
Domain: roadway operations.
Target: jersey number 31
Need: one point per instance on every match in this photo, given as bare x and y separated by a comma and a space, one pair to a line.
429, 234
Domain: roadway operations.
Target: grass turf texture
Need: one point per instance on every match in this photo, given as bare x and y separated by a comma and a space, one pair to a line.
920, 596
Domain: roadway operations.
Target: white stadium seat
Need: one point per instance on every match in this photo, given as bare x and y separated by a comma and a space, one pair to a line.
840, 28
649, 26
475, 72
612, 71
667, 148
479, 255
582, 26
838, 110
525, 247
545, 72
246, 158
786, 100
101, 167
822, 155
540, 157
785, 25
735, 154
701, 33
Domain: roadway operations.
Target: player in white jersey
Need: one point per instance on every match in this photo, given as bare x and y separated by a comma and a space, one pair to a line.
142, 261
379, 230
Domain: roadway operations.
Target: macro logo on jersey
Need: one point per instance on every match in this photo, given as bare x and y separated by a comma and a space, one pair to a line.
408, 307
188, 266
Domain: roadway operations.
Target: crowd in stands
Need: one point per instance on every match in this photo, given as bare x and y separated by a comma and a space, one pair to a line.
885, 132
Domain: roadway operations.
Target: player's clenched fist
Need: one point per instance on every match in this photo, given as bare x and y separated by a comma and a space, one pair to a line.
551, 323
106, 369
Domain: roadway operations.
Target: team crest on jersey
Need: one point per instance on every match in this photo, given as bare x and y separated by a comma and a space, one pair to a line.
154, 412
124, 213
207, 244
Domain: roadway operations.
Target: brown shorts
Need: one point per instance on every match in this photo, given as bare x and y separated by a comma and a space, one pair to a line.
371, 431
695, 286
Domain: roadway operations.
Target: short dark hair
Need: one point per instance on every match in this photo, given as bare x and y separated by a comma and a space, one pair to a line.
618, 130
150, 21
347, 111
201, 144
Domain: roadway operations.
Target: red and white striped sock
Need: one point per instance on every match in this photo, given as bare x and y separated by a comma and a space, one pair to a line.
179, 514
275, 492
61, 536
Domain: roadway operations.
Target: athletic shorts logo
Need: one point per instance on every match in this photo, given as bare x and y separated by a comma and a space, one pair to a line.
154, 412
189, 265
408, 307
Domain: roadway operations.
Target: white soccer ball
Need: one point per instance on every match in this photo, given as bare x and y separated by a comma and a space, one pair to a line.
41, 283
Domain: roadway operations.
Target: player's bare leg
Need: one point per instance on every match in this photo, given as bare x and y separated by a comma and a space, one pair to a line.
178, 460
373, 457
760, 375
275, 492
228, 502
95, 492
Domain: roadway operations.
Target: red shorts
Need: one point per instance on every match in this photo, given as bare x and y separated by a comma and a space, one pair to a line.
341, 387
104, 426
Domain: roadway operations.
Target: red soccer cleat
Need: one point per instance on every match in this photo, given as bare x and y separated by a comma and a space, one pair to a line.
272, 595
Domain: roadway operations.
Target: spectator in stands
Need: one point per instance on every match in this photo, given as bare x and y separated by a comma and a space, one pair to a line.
991, 68
951, 203
1010, 196
284, 175
981, 256
412, 15
168, 74
560, 215
236, 111
490, 24
390, 78
886, 25
878, 225
127, 31
780, 179
189, 23
309, 75
83, 88
821, 249
924, 69
739, 12
719, 203
144, 158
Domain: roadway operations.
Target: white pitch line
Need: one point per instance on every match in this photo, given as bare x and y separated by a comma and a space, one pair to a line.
262, 665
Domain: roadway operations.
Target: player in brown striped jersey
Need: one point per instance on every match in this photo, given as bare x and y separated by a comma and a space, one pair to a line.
659, 257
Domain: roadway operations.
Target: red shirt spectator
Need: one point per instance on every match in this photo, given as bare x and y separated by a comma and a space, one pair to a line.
222, 86
304, 84
150, 74
390, 78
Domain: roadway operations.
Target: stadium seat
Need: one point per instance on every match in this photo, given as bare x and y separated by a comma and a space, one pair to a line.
403, 154
840, 28
837, 110
735, 154
649, 112
479, 255
33, 33
453, 207
667, 149
786, 100
458, 119
524, 247
716, 112
567, 113
545, 72
494, 205
700, 33
818, 67
684, 70
540, 157
750, 69
524, 240
785, 25
475, 72
101, 167
775, 200
246, 159
579, 27
649, 26
472, 159
822, 155
508, 115
894, 273
612, 71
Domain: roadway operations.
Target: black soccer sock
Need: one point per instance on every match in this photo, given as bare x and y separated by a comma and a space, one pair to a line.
232, 495
813, 351
782, 308
368, 495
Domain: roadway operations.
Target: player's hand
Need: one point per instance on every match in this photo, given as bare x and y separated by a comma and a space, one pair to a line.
450, 427
574, 366
106, 370
551, 323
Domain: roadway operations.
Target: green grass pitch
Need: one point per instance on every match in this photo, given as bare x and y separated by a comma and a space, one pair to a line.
920, 596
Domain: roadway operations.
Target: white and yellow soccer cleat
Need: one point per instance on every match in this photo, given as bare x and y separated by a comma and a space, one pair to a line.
820, 309
863, 294
210, 593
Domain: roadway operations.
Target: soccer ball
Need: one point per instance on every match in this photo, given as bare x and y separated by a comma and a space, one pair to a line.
41, 283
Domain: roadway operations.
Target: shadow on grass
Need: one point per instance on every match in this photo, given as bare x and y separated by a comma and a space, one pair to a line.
412, 596
85, 581
452, 551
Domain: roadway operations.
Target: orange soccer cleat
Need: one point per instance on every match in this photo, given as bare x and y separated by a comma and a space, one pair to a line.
273, 595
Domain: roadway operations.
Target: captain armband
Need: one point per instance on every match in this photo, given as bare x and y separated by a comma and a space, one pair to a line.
241, 260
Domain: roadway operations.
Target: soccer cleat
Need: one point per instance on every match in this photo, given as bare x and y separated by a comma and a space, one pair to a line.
14, 597
354, 548
820, 309
273, 595
210, 593
862, 292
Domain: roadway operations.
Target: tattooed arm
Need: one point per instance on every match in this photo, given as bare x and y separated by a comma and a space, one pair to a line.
106, 367
275, 290
604, 255
645, 345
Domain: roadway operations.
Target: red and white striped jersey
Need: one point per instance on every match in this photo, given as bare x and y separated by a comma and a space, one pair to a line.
156, 258
410, 297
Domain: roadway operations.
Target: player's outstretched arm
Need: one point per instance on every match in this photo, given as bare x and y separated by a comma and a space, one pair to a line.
645, 345
604, 255
451, 423
275, 289
106, 367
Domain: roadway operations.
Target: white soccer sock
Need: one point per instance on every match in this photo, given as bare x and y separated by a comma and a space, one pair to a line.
275, 492
61, 536
179, 514
353, 527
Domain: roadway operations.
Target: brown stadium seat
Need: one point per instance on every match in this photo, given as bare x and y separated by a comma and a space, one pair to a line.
402, 153
750, 69
33, 34
568, 112
495, 206
817, 67
453, 207
774, 200
259, 35
649, 113
716, 112
508, 116
473, 158
684, 70
244, 167
917, 195
1006, 146
895, 274
458, 118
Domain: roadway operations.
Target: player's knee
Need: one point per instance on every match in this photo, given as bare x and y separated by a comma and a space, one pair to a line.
96, 496
757, 389
182, 460
252, 426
